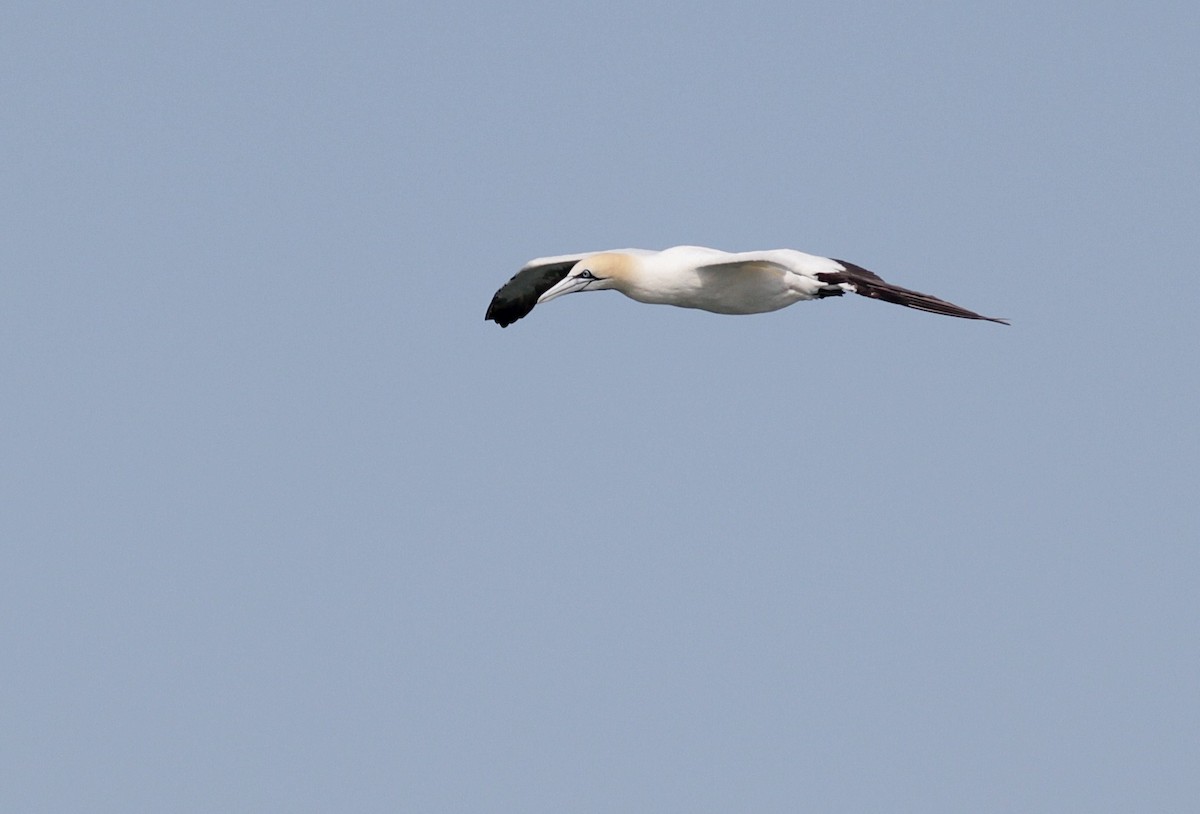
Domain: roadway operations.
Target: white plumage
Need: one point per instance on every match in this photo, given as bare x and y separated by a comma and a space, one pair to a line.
708, 279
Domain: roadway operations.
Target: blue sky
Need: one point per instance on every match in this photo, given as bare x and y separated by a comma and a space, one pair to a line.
288, 526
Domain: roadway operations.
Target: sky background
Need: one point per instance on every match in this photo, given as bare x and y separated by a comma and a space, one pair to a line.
286, 526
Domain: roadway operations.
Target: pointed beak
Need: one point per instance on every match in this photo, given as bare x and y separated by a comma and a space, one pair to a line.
567, 285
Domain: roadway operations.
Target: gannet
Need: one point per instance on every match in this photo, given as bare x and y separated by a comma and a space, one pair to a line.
708, 279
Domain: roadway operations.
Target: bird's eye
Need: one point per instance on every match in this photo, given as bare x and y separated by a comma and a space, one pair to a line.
586, 274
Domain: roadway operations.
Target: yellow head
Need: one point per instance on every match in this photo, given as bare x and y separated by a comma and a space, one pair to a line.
593, 273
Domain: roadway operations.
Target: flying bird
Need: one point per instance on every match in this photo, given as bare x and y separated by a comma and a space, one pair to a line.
708, 279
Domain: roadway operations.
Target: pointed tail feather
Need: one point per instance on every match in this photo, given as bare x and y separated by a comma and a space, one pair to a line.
870, 284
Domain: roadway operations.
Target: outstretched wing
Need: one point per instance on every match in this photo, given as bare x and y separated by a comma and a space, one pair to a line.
870, 284
517, 297
754, 264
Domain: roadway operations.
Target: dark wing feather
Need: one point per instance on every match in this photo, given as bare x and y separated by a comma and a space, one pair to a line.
870, 284
517, 297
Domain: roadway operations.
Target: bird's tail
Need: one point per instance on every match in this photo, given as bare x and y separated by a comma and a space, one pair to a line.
869, 284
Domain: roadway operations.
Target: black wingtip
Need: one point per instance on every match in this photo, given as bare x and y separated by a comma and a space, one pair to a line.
499, 314
509, 305
494, 312
516, 298
869, 284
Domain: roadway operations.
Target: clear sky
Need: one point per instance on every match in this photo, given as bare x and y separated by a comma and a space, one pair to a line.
286, 526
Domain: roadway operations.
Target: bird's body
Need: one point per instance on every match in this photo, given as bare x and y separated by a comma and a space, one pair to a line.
707, 279
725, 283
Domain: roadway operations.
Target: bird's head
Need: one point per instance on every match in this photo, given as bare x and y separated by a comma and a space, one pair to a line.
593, 273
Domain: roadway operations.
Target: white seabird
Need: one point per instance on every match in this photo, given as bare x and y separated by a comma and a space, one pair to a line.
708, 279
